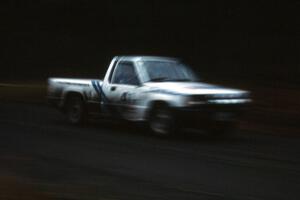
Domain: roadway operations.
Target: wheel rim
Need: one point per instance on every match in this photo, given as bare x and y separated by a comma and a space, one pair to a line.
75, 112
161, 122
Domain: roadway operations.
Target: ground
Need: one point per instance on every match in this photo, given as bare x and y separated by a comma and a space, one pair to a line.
42, 157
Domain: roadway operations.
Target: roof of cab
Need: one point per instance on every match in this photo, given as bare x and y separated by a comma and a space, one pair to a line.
146, 58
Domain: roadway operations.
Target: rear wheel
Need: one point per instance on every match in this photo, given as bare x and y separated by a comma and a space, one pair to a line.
75, 110
161, 121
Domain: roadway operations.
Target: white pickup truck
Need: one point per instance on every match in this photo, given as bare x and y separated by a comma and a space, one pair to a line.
163, 92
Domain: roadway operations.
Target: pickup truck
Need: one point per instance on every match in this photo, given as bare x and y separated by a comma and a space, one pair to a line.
162, 92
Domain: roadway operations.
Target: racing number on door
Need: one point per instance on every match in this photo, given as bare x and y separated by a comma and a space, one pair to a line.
123, 98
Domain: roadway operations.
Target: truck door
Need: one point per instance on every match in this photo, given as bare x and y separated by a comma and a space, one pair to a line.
122, 87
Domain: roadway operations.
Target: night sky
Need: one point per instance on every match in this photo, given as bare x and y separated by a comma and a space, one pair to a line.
249, 39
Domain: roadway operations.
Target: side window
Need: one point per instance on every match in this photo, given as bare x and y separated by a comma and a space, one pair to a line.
125, 74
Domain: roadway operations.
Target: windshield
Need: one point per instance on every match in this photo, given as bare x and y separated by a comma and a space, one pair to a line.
158, 71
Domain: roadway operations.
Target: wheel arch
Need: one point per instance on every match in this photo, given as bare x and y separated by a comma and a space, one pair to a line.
68, 95
156, 103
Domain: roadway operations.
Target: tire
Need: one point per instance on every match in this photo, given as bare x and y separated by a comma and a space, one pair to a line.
161, 121
75, 110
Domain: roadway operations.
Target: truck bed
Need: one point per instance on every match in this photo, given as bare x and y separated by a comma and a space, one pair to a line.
58, 88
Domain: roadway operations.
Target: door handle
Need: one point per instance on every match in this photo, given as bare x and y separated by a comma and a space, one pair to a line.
113, 88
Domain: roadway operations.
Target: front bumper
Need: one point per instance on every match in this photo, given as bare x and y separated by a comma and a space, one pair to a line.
209, 115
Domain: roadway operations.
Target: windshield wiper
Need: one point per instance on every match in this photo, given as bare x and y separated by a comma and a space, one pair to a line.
180, 80
158, 79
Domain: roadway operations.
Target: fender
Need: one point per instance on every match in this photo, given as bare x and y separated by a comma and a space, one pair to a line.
68, 91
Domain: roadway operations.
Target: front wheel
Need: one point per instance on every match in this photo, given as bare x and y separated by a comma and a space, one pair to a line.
161, 121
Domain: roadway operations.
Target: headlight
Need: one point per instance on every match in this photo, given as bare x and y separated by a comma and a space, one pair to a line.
196, 100
241, 95
195, 103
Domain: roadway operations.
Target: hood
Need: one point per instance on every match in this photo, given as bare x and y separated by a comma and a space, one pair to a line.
193, 88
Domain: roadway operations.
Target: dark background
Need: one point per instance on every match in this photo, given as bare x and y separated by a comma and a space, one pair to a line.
246, 40
253, 45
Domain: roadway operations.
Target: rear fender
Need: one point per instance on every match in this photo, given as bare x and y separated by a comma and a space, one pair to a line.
66, 95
